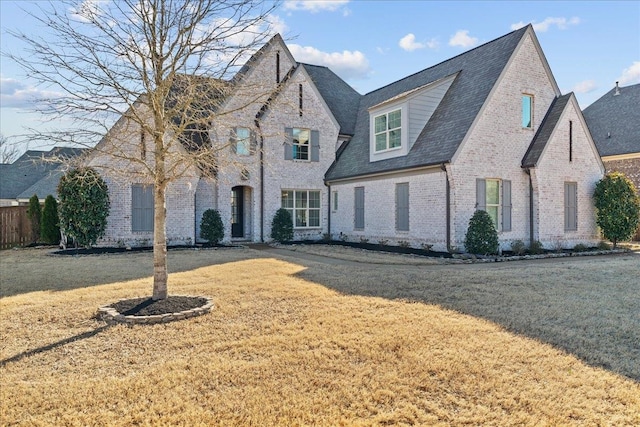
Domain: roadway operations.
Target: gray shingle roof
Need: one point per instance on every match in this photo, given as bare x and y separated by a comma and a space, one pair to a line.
342, 99
30, 168
614, 121
545, 130
478, 70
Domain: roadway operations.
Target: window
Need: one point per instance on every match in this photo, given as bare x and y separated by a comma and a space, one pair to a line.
359, 208
494, 197
302, 144
141, 207
570, 206
300, 99
243, 141
402, 207
527, 111
335, 200
304, 207
387, 130
570, 140
143, 146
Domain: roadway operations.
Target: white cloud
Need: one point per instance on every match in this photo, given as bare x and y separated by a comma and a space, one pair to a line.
409, 43
347, 64
585, 86
462, 39
16, 94
276, 24
88, 10
315, 5
541, 27
630, 75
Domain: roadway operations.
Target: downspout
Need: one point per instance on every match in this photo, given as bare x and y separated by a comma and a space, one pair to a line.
257, 122
448, 206
195, 214
528, 172
328, 209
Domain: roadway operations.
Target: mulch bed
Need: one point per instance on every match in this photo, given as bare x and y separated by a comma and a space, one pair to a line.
148, 307
116, 250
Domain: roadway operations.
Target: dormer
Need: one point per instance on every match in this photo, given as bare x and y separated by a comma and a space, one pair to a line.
394, 124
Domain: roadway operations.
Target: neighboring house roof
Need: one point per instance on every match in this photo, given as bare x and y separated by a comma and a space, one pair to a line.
342, 99
545, 130
478, 69
30, 168
614, 121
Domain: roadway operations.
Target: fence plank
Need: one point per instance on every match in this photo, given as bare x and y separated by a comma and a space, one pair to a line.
15, 229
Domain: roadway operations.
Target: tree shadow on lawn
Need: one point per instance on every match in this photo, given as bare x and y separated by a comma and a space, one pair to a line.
587, 306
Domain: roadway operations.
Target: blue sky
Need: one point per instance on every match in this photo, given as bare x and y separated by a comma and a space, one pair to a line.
589, 45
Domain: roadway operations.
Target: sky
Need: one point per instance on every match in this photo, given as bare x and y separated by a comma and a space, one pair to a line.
589, 45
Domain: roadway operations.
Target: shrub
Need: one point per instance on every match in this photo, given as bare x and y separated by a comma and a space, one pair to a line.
604, 246
49, 227
383, 242
518, 247
617, 207
84, 205
282, 226
536, 248
364, 239
403, 243
426, 246
580, 248
35, 215
481, 237
211, 227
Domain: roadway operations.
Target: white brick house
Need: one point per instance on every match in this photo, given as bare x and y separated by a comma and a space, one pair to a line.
409, 162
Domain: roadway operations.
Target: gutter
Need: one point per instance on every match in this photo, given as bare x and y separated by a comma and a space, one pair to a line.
257, 122
328, 209
448, 206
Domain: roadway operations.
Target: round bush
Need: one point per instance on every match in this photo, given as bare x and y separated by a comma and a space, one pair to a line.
282, 226
211, 227
617, 207
481, 237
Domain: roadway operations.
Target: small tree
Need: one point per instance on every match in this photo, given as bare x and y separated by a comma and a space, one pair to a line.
481, 237
35, 213
617, 207
282, 226
49, 227
211, 227
84, 205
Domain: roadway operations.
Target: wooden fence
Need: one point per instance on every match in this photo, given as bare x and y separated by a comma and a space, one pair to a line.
15, 227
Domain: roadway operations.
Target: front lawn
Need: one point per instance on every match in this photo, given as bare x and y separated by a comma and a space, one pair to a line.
279, 348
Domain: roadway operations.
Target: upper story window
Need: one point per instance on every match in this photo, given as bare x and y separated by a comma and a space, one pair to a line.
527, 111
301, 144
243, 141
388, 130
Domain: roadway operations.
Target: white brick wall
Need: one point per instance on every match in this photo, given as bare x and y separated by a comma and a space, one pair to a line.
427, 196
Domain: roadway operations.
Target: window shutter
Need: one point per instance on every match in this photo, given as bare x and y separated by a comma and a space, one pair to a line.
233, 140
570, 206
506, 205
481, 194
253, 142
402, 207
148, 208
136, 207
315, 146
359, 208
288, 148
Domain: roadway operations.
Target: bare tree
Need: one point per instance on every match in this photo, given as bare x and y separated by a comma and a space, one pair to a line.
8, 151
159, 65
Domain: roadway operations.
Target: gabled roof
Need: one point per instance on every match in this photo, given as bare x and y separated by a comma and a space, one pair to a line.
614, 121
342, 99
30, 168
478, 69
545, 130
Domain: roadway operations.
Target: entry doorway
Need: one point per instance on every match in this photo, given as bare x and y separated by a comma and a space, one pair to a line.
237, 211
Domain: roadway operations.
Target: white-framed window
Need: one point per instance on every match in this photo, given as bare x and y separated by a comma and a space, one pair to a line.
494, 196
304, 207
300, 142
527, 111
387, 130
243, 141
141, 208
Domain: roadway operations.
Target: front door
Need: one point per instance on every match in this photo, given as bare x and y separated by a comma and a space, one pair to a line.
237, 212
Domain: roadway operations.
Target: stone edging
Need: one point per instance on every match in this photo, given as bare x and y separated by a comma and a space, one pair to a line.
111, 315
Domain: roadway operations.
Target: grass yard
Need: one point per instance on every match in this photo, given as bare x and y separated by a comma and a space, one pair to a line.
299, 342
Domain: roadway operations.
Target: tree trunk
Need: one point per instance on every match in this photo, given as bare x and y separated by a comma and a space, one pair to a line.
159, 243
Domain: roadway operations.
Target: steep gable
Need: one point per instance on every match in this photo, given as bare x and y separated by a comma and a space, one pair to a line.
614, 121
478, 69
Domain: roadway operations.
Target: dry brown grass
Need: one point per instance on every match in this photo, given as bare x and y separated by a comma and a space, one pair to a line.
282, 350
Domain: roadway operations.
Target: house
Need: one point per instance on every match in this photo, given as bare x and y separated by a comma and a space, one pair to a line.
408, 163
614, 123
35, 172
